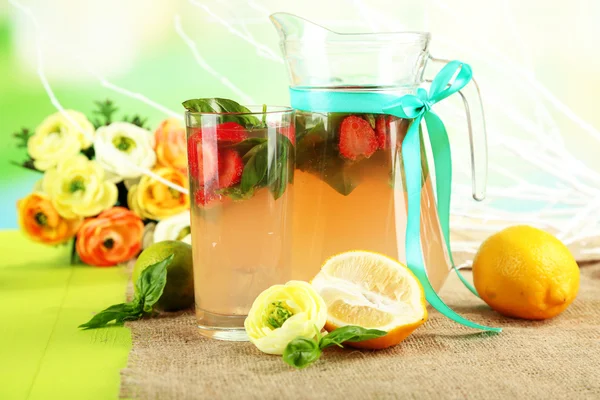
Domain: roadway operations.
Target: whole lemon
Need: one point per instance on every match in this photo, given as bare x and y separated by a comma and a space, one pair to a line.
179, 289
525, 272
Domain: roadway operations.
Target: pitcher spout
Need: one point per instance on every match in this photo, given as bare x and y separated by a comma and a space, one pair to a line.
292, 27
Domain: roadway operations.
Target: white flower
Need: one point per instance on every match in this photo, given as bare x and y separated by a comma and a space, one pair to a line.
57, 139
173, 228
284, 312
123, 148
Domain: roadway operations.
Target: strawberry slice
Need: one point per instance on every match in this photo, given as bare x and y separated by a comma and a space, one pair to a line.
193, 142
231, 132
289, 132
203, 196
202, 159
231, 166
381, 125
357, 138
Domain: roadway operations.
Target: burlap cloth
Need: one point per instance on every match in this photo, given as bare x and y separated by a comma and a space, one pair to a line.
557, 359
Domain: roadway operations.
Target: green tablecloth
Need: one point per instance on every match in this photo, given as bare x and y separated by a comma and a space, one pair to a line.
42, 353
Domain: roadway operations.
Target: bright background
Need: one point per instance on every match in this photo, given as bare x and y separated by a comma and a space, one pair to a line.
536, 62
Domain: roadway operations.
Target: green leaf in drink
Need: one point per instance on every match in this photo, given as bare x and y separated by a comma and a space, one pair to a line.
224, 106
370, 118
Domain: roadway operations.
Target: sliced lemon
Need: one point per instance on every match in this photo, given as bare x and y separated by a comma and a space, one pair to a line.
373, 291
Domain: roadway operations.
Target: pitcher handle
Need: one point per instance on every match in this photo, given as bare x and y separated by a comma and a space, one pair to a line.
471, 98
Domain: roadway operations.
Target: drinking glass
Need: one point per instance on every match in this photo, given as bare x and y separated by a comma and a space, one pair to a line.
241, 168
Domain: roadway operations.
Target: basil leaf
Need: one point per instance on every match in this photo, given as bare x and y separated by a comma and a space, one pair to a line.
151, 283
349, 333
118, 313
301, 352
149, 287
255, 169
282, 170
317, 154
370, 118
246, 145
219, 105
252, 152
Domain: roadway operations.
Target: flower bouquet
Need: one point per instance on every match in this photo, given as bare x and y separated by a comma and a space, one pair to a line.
110, 186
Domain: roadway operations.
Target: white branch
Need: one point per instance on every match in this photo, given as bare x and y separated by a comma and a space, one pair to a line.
202, 63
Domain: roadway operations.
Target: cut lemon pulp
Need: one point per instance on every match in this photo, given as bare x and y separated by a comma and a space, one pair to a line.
373, 291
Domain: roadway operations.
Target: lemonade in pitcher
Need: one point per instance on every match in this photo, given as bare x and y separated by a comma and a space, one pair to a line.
350, 187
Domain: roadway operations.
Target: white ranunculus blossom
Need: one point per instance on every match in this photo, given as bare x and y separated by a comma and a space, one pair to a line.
176, 227
122, 148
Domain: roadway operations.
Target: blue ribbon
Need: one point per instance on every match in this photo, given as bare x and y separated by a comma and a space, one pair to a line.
453, 77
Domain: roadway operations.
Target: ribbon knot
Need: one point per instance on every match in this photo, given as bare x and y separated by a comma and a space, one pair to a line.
453, 77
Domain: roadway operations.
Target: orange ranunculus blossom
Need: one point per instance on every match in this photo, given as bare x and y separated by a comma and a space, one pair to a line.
113, 237
170, 145
41, 222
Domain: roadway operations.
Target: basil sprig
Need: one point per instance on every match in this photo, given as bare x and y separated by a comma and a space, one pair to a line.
301, 352
262, 169
317, 153
148, 289
218, 105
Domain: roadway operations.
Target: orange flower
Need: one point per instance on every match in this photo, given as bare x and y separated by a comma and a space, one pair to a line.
112, 237
170, 145
42, 223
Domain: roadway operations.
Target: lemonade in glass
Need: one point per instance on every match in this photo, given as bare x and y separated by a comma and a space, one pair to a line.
241, 168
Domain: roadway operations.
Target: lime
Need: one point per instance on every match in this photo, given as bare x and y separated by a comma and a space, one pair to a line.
179, 289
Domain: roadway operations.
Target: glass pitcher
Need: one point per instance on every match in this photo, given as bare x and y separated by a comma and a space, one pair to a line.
350, 183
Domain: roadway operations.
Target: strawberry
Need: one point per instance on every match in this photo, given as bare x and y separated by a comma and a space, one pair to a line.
230, 168
289, 132
381, 127
202, 159
192, 147
203, 197
357, 138
231, 132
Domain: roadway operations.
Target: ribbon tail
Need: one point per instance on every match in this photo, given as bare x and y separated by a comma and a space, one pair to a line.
442, 158
411, 154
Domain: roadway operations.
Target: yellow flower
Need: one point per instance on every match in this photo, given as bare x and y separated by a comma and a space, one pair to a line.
56, 139
284, 312
154, 200
77, 188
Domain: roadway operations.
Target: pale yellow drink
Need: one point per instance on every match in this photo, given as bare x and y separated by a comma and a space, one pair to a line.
371, 217
241, 168
239, 251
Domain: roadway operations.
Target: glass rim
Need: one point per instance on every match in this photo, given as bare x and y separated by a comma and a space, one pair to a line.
277, 110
